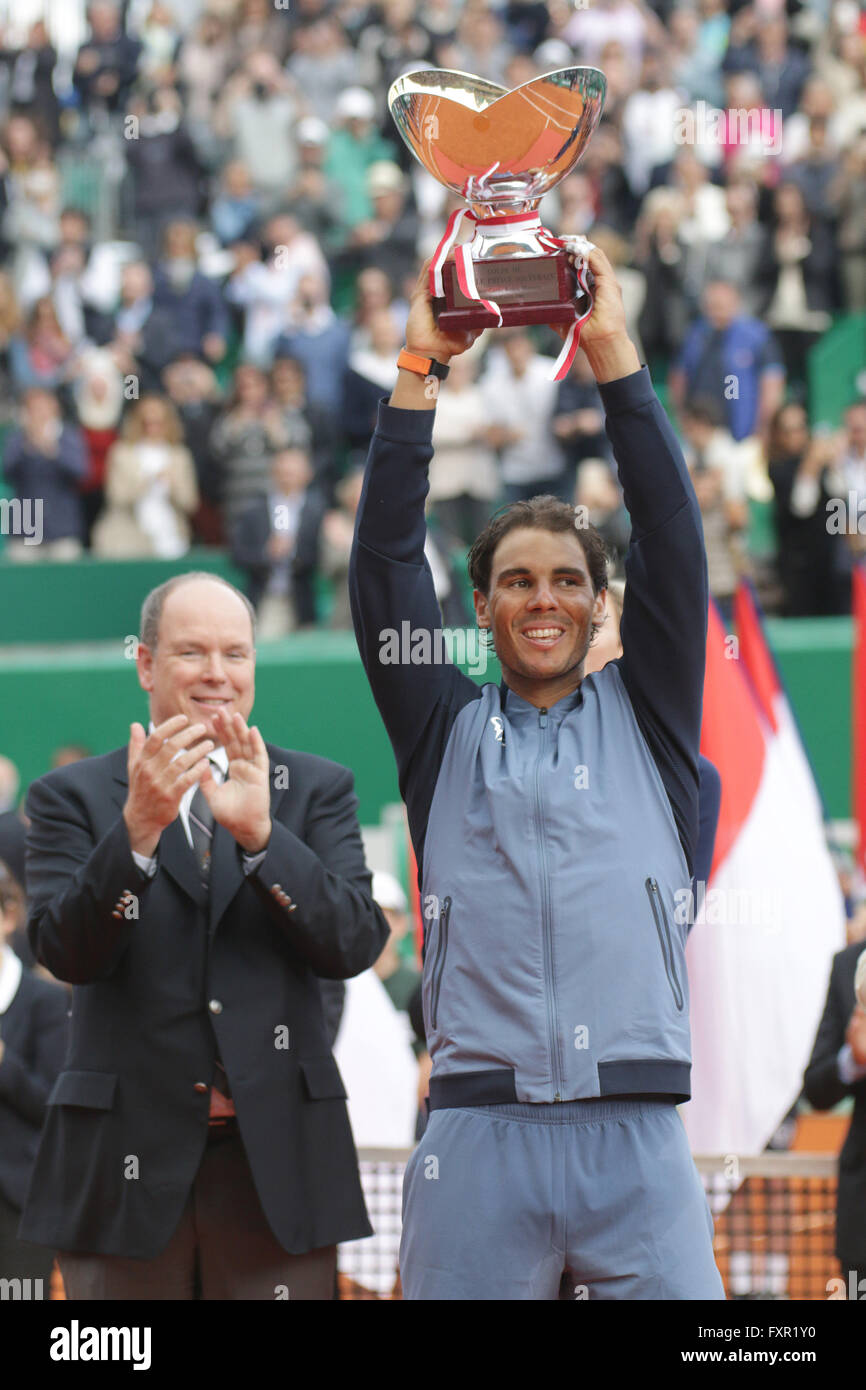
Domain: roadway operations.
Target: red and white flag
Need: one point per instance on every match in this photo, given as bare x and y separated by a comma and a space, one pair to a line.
772, 915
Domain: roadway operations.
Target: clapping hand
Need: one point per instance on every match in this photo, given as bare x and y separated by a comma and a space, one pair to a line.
242, 803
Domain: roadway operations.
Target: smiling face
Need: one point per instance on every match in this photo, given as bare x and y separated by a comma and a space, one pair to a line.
540, 608
204, 657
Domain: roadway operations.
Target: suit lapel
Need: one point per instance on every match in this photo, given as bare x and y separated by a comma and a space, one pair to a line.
227, 873
177, 858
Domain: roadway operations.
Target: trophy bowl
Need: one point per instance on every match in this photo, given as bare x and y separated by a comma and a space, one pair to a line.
500, 151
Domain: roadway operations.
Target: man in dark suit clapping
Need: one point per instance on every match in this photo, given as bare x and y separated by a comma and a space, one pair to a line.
837, 1068
194, 888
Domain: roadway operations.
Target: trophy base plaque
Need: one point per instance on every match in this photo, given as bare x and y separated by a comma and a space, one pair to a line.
527, 289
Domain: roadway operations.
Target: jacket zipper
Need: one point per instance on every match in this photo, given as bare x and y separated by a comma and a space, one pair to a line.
552, 1030
663, 930
439, 960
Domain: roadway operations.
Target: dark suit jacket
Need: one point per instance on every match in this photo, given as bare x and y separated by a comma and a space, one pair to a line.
824, 1088
34, 1030
249, 540
155, 995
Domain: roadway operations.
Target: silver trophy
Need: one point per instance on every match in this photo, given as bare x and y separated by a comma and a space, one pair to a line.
501, 151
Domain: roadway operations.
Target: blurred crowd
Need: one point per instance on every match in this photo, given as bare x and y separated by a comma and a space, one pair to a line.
209, 229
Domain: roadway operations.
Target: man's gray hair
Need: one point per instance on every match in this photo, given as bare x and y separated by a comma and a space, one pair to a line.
151, 609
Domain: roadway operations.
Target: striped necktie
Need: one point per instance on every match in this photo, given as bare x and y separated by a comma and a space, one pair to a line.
201, 831
201, 821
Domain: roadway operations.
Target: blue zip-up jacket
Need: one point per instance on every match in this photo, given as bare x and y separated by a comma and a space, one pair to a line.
555, 847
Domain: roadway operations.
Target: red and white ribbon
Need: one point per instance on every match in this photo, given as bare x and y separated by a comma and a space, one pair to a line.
580, 248
577, 246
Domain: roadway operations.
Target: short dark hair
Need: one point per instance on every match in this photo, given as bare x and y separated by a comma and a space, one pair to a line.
151, 609
703, 410
543, 513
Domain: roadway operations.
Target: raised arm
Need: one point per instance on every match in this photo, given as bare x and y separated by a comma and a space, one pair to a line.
664, 621
390, 584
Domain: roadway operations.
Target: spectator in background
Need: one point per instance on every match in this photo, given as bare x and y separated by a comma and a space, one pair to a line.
319, 340
164, 167
374, 290
848, 200
33, 1030
10, 323
730, 357
257, 29
520, 399
394, 968
42, 355
236, 208
30, 87
66, 268
315, 199
464, 480
258, 113
813, 562
191, 304
70, 753
30, 220
247, 433
837, 1070
44, 462
275, 542
266, 290
389, 238
150, 487
578, 418
649, 123
598, 500
98, 394
852, 467
335, 546
631, 280
310, 425
482, 43
780, 67
371, 374
751, 129
160, 39
107, 61
206, 56
738, 255
661, 254
192, 388
715, 464
143, 337
799, 276
323, 64
398, 39
355, 144
95, 266
694, 69
817, 168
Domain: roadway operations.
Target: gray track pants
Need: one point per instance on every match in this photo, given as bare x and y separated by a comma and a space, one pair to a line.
511, 1201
